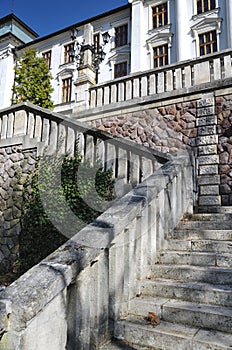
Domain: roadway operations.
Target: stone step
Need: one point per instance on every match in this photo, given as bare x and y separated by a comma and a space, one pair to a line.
188, 291
199, 245
209, 274
215, 210
195, 258
119, 344
185, 312
213, 317
170, 336
205, 225
208, 217
188, 234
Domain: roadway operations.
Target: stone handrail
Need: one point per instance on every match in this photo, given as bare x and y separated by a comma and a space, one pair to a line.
128, 160
71, 299
173, 77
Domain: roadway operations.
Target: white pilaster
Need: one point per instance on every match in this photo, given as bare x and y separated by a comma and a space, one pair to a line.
183, 42
138, 25
229, 22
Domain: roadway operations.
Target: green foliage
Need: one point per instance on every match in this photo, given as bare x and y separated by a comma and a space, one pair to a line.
46, 221
32, 80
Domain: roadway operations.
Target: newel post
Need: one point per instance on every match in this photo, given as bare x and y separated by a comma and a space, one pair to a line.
208, 177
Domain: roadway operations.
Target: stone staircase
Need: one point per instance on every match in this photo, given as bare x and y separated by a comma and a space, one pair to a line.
189, 288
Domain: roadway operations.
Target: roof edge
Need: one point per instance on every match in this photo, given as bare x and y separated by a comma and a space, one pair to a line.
15, 18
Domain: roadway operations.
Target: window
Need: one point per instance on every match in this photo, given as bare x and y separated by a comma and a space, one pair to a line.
96, 42
120, 69
205, 5
160, 15
47, 56
121, 34
208, 43
67, 50
66, 90
160, 55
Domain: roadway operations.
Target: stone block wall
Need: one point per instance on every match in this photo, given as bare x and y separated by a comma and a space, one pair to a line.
15, 165
224, 129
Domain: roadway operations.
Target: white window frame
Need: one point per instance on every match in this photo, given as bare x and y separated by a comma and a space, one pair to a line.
204, 26
118, 23
203, 13
152, 4
156, 40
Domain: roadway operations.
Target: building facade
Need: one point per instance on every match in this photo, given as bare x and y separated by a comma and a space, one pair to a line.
142, 35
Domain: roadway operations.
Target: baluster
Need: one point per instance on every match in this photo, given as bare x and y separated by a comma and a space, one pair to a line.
89, 149
31, 125
93, 98
227, 66
187, 76
45, 131
128, 90
110, 161
20, 123
169, 80
113, 95
152, 84
38, 127
53, 137
70, 144
99, 97
10, 126
217, 69
178, 80
144, 86
160, 82
106, 95
136, 87
4, 126
134, 169
121, 92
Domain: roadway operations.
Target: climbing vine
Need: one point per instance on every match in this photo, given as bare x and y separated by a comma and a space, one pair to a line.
85, 189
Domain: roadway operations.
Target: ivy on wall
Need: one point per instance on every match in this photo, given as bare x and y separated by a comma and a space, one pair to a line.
85, 190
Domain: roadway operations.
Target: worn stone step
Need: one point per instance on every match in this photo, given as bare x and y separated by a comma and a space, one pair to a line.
188, 234
209, 274
119, 344
208, 217
169, 336
194, 258
198, 245
198, 315
191, 313
205, 225
215, 210
189, 291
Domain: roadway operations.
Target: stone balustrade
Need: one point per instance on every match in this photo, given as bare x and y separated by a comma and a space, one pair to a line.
71, 299
185, 75
128, 160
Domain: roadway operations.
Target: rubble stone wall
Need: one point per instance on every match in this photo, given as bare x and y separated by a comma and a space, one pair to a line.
15, 165
166, 129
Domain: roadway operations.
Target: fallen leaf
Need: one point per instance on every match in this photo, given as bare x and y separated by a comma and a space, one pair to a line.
153, 319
